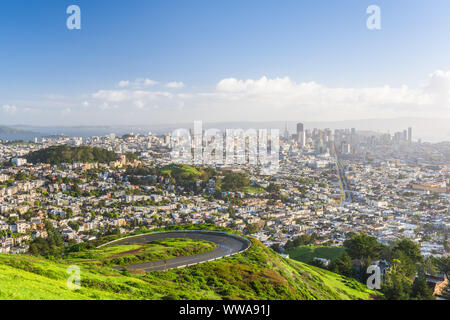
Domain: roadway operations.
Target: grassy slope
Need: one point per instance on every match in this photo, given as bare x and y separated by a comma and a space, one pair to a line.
253, 190
308, 253
137, 253
259, 273
183, 170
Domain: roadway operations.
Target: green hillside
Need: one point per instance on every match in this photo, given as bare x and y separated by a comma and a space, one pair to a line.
308, 253
117, 255
258, 273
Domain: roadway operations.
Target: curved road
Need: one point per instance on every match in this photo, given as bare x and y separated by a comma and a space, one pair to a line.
226, 244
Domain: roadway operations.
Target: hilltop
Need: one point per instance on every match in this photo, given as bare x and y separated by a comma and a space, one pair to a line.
67, 154
258, 273
4, 129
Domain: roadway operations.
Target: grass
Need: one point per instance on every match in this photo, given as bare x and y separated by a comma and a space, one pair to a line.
253, 190
259, 273
115, 255
30, 278
306, 254
182, 169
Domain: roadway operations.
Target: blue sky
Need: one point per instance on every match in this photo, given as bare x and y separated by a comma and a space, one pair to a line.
48, 69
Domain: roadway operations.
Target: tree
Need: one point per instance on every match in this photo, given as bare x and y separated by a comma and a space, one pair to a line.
74, 225
396, 286
408, 253
420, 289
234, 181
429, 266
273, 188
446, 292
443, 265
362, 246
252, 228
343, 265
276, 247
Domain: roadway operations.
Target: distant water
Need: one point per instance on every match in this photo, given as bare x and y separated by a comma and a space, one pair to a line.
70, 132
20, 136
84, 132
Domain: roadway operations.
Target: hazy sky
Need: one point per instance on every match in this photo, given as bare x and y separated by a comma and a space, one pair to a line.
165, 61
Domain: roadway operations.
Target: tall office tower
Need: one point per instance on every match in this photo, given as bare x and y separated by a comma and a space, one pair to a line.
405, 135
286, 133
345, 147
300, 134
398, 137
410, 135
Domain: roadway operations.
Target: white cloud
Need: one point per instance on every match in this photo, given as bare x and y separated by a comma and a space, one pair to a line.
260, 99
281, 98
175, 85
138, 83
262, 85
124, 83
139, 104
9, 109
147, 82
111, 95
439, 86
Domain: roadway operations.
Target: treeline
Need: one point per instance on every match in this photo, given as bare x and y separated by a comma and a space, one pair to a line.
233, 181
405, 268
187, 176
52, 246
301, 240
57, 155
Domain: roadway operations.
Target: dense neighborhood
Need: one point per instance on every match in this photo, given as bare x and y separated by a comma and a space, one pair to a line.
328, 185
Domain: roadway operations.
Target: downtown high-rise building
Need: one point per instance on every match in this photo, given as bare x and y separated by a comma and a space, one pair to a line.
301, 139
286, 132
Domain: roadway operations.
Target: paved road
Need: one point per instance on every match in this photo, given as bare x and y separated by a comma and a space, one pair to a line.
341, 172
226, 244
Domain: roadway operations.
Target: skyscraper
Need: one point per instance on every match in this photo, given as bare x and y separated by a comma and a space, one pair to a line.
286, 132
410, 135
300, 134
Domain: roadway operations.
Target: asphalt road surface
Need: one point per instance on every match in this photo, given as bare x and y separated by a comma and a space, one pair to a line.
226, 244
346, 189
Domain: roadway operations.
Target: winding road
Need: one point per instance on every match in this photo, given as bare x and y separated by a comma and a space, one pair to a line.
226, 244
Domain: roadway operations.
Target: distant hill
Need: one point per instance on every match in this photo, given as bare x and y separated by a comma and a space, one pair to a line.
67, 154
259, 273
8, 130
